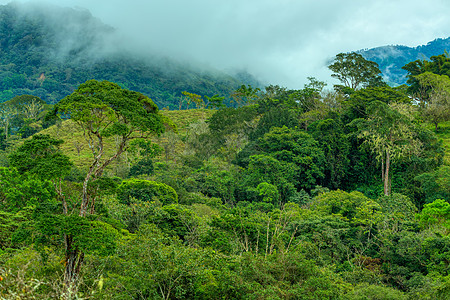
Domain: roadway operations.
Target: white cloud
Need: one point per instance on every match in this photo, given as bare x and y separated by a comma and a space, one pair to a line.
282, 41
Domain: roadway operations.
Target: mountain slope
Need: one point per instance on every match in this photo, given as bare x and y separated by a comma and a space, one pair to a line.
47, 51
392, 58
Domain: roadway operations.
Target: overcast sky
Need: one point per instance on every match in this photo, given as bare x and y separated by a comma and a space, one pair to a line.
280, 41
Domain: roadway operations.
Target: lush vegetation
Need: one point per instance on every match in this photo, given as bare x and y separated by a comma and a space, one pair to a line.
294, 194
313, 193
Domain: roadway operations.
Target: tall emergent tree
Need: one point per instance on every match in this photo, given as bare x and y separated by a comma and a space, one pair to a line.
104, 109
7, 113
354, 71
101, 110
390, 135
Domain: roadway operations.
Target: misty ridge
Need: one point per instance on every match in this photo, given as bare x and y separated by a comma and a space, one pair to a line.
392, 58
62, 34
47, 51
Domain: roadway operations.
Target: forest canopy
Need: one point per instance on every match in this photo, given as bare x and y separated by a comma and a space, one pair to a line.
238, 192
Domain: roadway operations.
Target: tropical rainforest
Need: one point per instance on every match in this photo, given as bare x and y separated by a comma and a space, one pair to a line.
112, 187
47, 51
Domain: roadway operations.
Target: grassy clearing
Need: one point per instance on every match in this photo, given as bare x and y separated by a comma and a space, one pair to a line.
182, 118
76, 147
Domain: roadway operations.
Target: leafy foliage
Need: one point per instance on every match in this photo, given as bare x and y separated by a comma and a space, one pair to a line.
354, 71
146, 190
279, 198
40, 155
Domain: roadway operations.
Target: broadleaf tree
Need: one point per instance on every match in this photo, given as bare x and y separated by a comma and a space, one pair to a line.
103, 109
390, 136
41, 156
436, 107
354, 71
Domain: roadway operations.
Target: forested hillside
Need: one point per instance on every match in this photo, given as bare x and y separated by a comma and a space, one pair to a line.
294, 194
320, 192
47, 51
392, 58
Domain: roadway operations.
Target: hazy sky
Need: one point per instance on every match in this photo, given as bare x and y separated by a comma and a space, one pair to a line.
280, 41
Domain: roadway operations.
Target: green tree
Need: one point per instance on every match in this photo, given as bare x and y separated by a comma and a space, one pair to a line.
33, 109
193, 98
439, 64
274, 117
215, 179
20, 190
334, 143
199, 141
436, 184
28, 105
436, 106
215, 101
101, 110
143, 151
390, 135
288, 159
308, 98
7, 113
266, 169
339, 203
269, 192
27, 114
297, 147
358, 102
41, 155
171, 269
371, 291
232, 120
435, 213
231, 127
104, 109
245, 95
2, 139
146, 190
354, 71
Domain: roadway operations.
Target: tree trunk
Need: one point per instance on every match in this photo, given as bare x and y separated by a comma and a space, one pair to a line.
387, 184
6, 128
74, 258
85, 196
